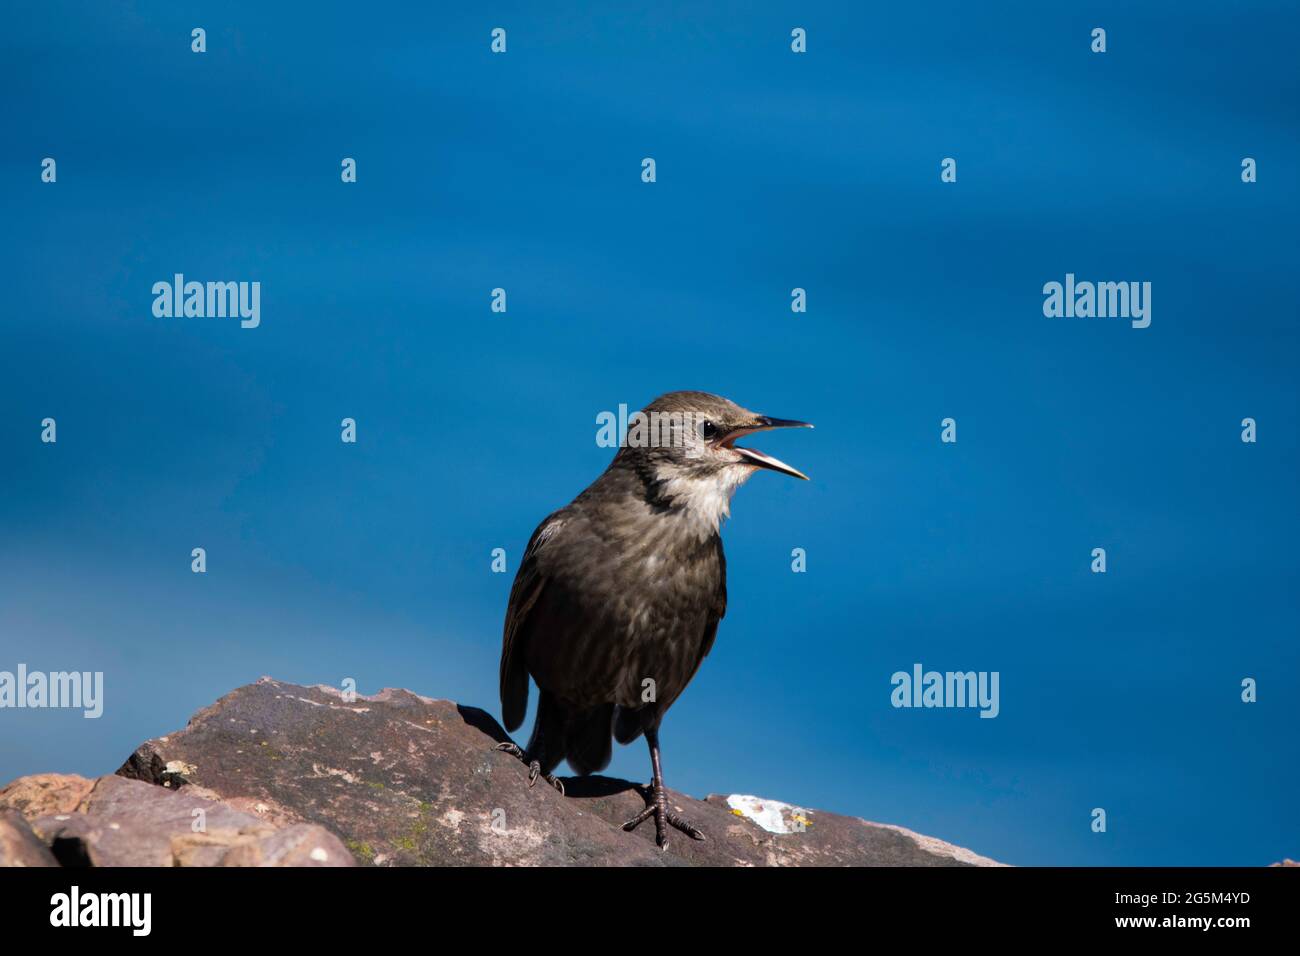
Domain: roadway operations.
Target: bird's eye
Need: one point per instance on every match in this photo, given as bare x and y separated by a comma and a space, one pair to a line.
708, 430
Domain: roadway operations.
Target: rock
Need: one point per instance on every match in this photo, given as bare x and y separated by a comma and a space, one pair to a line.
46, 794
113, 821
407, 780
19, 846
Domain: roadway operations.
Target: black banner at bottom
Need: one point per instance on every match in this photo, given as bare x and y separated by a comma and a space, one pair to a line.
337, 905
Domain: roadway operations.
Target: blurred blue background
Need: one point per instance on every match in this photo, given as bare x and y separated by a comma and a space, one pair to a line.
371, 561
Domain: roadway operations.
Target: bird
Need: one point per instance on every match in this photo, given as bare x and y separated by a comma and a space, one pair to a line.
617, 598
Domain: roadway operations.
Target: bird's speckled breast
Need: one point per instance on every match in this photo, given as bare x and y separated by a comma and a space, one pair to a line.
628, 602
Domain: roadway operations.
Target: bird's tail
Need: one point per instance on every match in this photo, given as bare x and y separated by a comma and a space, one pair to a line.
583, 737
629, 724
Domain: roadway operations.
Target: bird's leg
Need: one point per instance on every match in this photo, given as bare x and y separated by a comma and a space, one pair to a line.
534, 766
657, 804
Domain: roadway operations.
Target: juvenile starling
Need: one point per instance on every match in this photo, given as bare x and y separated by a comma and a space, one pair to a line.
618, 596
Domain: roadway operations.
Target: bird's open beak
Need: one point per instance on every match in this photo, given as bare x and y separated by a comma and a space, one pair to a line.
757, 458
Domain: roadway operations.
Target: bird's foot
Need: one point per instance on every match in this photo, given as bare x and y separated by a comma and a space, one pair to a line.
657, 807
534, 766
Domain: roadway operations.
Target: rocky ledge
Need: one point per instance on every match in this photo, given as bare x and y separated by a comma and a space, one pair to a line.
275, 774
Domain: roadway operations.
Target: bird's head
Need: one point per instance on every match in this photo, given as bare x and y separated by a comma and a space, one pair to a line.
690, 437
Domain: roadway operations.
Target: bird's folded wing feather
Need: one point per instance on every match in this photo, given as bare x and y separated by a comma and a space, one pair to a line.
529, 584
719, 610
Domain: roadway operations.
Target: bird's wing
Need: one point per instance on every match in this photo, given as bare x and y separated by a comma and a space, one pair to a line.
719, 609
530, 582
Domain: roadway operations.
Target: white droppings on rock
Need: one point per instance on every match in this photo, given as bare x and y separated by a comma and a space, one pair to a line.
771, 815
319, 855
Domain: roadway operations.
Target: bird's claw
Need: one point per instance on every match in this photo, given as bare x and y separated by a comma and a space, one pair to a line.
535, 771
657, 807
690, 829
534, 766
